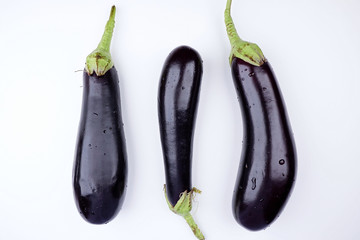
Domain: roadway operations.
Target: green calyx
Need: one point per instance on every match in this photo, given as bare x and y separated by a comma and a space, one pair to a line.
99, 61
249, 52
183, 208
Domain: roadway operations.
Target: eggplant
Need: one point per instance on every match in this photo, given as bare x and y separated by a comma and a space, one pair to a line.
100, 166
178, 97
268, 164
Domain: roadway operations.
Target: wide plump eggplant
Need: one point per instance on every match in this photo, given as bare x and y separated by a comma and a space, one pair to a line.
100, 167
268, 162
178, 97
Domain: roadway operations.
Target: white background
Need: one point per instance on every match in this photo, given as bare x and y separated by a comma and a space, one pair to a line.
313, 47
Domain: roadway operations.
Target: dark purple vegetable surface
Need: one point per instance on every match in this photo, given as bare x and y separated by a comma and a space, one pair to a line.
268, 161
177, 105
100, 169
100, 166
178, 97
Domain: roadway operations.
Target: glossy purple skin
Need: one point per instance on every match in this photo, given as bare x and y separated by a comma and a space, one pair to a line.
268, 162
177, 107
100, 168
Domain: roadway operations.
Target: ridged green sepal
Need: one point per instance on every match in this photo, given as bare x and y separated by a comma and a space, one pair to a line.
99, 61
183, 208
247, 51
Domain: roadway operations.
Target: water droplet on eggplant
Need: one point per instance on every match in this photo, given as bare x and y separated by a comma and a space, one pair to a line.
253, 180
281, 161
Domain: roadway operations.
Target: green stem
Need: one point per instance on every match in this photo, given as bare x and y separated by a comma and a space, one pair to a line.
194, 227
249, 52
230, 27
99, 61
183, 208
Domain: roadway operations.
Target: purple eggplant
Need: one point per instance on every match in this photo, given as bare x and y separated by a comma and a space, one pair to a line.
100, 167
178, 97
268, 161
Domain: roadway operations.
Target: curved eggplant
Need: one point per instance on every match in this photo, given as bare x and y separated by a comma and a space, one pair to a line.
100, 167
177, 107
268, 162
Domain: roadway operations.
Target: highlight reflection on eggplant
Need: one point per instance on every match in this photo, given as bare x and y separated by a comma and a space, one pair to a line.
179, 90
268, 162
100, 167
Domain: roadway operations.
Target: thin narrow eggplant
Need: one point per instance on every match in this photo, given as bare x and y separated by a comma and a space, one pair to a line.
100, 167
268, 163
178, 96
